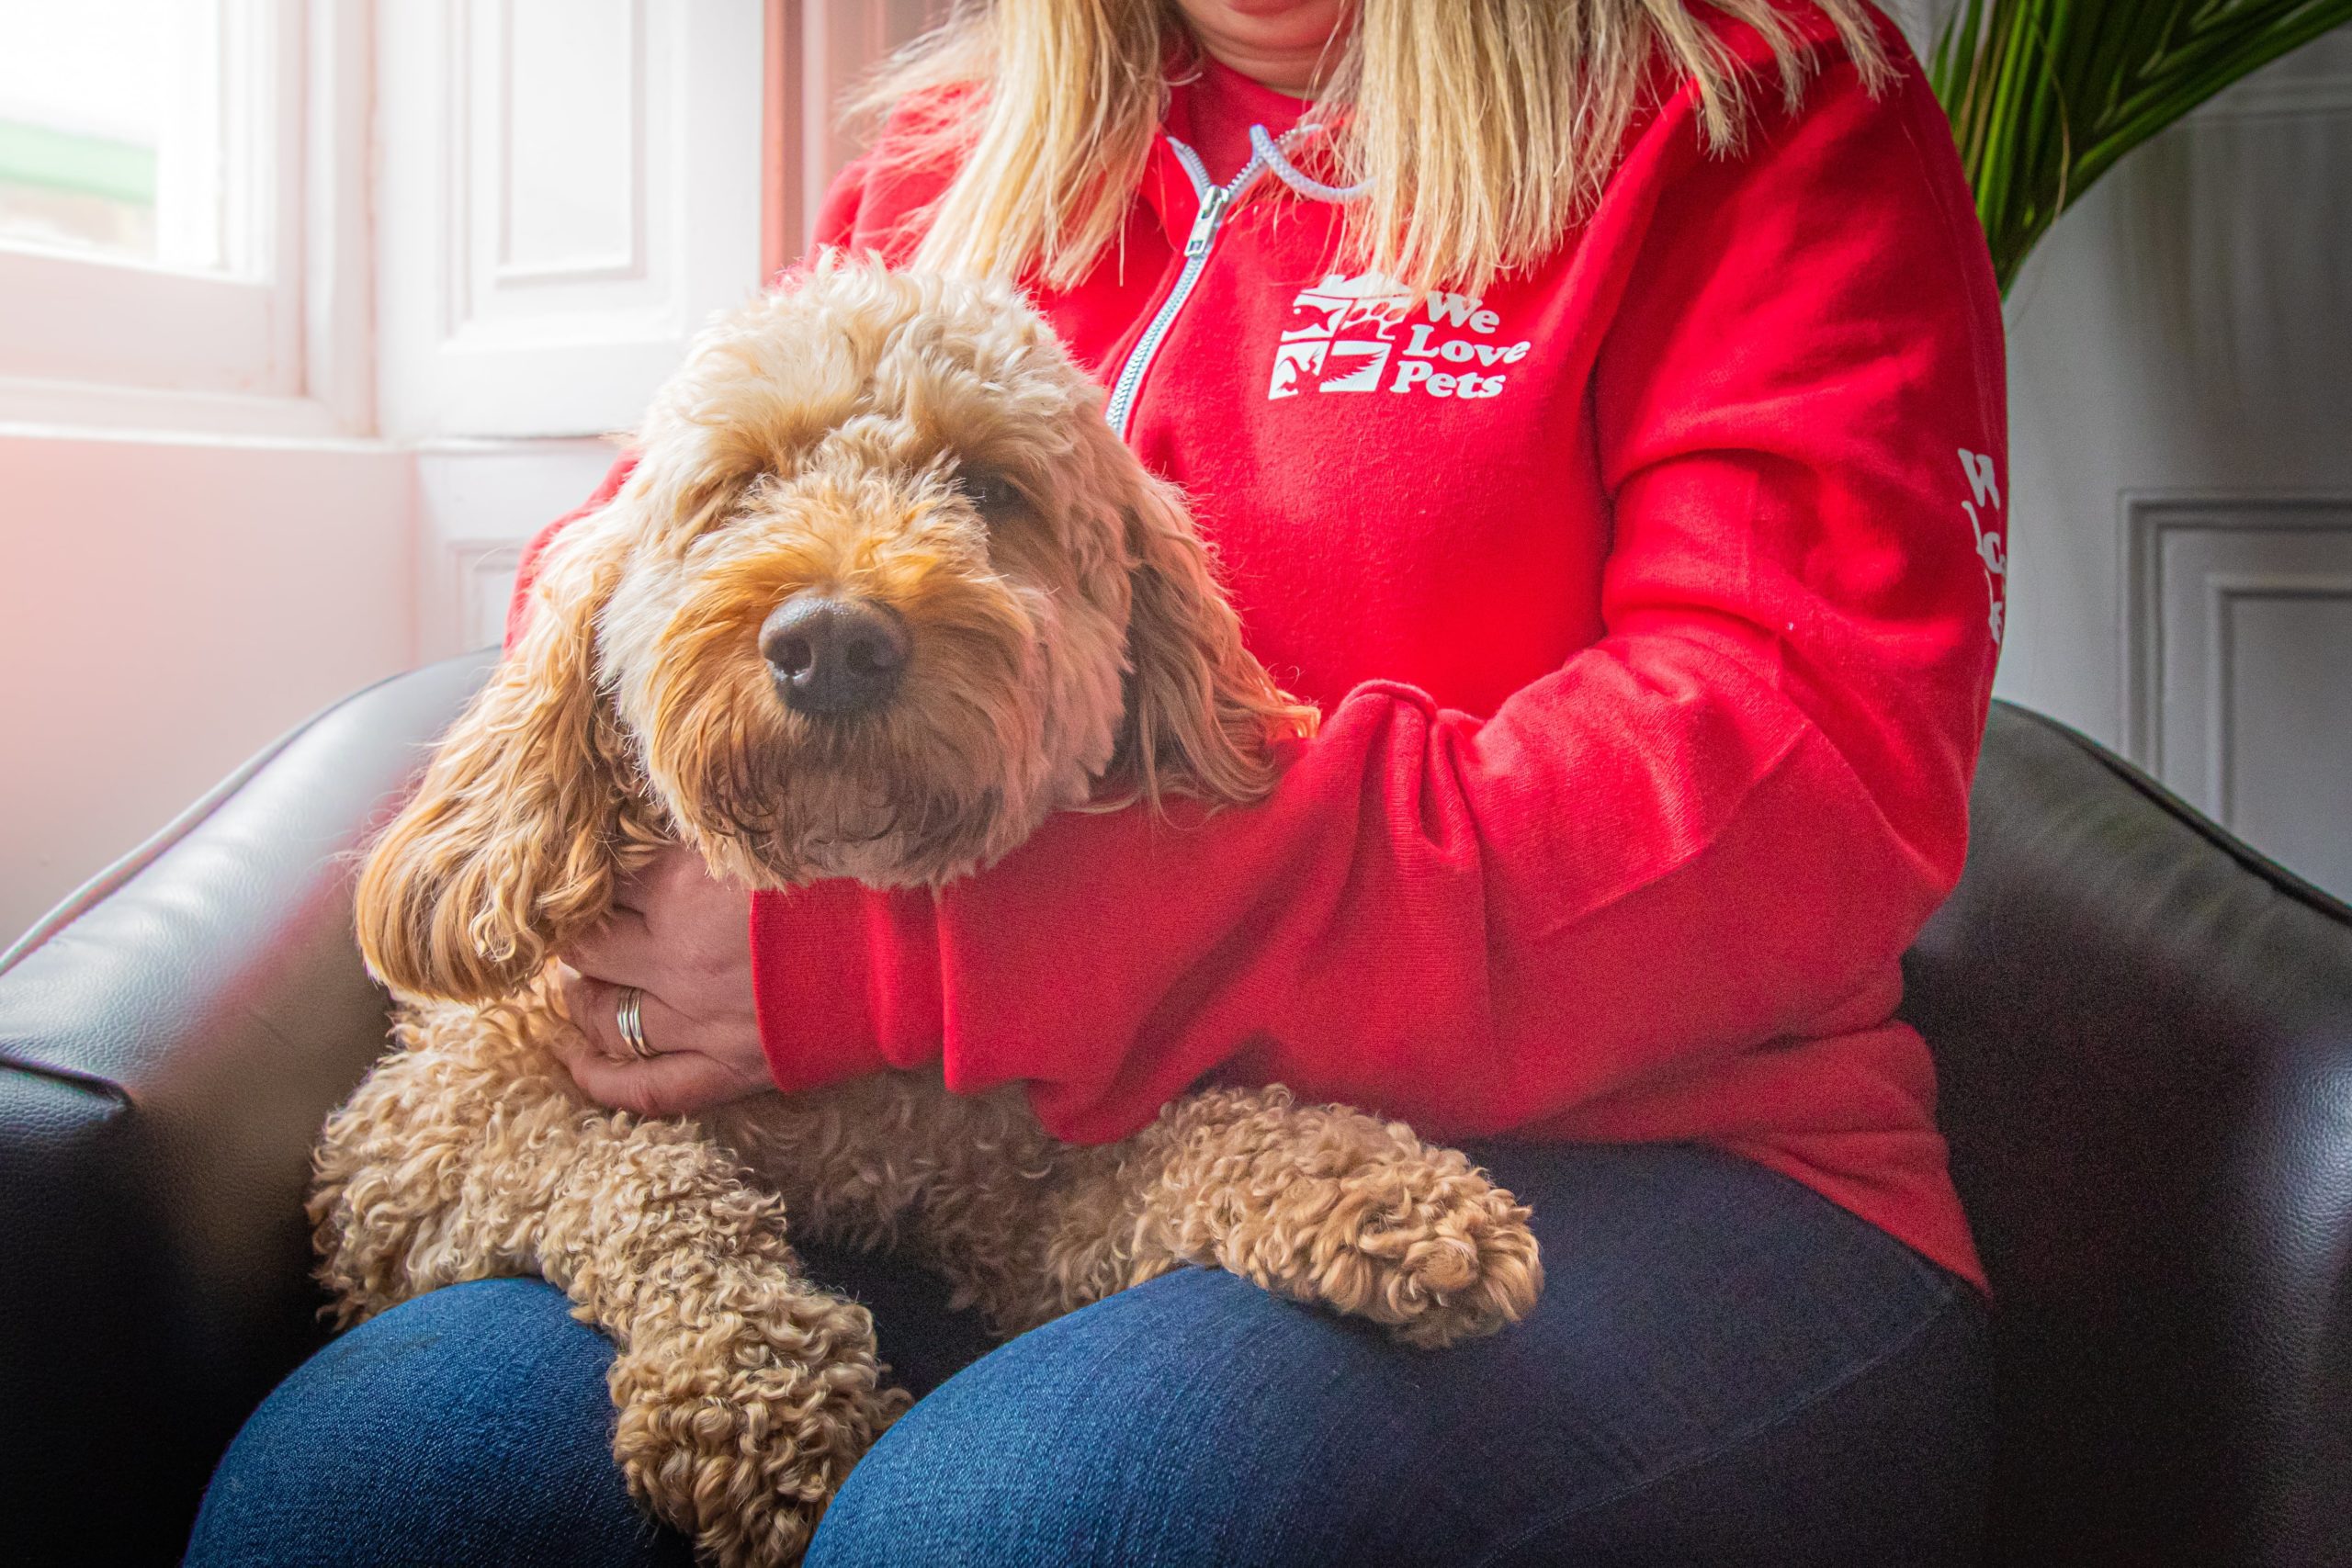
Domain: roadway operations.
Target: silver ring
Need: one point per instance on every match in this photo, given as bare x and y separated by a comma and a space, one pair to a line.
628, 1011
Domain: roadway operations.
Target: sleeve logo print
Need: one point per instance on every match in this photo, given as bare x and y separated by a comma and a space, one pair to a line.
1986, 517
1347, 334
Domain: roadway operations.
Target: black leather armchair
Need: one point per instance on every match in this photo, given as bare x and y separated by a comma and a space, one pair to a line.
2145, 1032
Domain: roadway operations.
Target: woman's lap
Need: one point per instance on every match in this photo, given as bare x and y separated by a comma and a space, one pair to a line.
1725, 1369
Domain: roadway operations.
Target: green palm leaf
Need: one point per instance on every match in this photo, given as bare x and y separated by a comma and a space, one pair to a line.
2045, 95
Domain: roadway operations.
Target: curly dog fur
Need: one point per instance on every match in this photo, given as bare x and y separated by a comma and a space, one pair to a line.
924, 444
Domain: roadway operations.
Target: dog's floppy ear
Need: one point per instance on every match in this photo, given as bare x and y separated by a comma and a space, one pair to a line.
1203, 715
507, 850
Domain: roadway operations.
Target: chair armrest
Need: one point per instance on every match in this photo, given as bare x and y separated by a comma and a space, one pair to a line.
170, 1042
2143, 1036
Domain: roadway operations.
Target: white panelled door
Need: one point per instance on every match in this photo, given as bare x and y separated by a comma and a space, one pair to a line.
576, 190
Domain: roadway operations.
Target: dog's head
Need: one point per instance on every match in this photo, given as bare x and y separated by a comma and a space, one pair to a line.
883, 590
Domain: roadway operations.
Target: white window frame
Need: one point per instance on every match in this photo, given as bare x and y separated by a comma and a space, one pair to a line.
284, 351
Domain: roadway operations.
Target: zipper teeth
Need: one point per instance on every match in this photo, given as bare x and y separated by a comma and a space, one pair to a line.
1123, 396
1196, 260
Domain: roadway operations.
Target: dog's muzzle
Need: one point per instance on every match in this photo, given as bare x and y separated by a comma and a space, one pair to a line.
834, 656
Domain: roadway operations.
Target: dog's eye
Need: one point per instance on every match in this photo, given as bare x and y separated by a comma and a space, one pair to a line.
992, 493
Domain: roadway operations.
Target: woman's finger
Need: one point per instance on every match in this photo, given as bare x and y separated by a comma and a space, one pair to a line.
594, 1006
673, 1084
680, 1077
587, 1004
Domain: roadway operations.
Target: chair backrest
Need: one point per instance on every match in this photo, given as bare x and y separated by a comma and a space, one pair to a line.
170, 1042
2143, 1034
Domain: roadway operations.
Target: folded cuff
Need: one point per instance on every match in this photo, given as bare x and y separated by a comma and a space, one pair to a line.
846, 981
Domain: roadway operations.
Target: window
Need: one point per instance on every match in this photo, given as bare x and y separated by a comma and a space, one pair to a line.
151, 183
120, 133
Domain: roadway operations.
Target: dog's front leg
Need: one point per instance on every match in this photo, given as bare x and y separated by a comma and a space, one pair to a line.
1316, 1202
745, 1392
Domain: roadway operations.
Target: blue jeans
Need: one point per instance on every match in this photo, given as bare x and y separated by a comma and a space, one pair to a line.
1726, 1369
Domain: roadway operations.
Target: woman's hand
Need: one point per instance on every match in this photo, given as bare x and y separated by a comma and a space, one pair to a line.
684, 940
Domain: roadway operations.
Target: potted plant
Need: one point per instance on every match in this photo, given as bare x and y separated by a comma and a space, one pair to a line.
2046, 95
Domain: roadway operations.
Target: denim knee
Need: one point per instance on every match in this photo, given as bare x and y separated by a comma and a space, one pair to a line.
1154, 1427
468, 1426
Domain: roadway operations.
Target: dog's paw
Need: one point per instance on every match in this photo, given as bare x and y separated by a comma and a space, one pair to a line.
1429, 1248
1454, 1270
738, 1420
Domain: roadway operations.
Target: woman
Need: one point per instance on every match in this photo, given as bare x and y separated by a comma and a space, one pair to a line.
1598, 407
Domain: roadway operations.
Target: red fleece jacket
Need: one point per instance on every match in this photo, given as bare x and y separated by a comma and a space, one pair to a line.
1652, 599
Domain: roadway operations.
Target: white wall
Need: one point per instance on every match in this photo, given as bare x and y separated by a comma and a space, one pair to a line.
166, 608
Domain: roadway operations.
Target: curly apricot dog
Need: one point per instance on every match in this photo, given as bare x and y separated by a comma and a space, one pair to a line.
883, 592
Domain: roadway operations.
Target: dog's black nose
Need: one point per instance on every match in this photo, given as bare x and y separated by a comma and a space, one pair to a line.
833, 655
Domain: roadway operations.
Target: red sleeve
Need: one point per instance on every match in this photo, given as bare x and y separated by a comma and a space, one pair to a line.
836, 221
1718, 826
837, 215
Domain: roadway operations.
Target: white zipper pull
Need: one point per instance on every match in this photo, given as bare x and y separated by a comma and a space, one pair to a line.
1212, 215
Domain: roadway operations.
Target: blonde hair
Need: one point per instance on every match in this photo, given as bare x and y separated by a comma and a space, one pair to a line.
1484, 128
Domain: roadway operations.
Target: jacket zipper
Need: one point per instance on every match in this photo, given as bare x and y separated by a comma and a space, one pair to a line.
1215, 202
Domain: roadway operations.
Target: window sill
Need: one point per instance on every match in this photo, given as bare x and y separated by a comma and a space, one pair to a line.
95, 410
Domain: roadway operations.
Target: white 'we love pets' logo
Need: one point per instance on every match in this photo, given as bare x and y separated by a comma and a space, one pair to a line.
1359, 334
